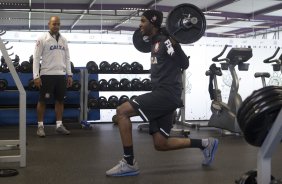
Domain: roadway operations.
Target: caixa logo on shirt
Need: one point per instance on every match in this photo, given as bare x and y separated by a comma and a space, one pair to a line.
60, 47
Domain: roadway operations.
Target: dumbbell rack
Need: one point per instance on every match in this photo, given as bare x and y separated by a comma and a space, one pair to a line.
21, 142
267, 149
86, 90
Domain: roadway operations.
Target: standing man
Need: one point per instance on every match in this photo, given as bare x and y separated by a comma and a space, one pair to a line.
54, 74
157, 107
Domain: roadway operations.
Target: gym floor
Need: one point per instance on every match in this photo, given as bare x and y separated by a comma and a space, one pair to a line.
85, 155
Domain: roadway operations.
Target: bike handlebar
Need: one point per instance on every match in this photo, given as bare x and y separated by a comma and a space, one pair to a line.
269, 60
215, 59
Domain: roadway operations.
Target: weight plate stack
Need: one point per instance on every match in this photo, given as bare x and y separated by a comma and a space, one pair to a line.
258, 112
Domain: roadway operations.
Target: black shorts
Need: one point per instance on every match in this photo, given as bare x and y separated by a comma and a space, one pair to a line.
53, 87
157, 108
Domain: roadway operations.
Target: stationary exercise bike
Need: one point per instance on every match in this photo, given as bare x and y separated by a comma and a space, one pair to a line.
276, 67
224, 115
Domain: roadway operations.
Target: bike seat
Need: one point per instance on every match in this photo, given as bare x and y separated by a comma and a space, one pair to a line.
262, 74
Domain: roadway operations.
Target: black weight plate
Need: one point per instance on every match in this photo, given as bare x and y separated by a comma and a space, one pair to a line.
259, 124
243, 121
8, 172
139, 43
250, 177
179, 23
254, 104
261, 104
247, 103
264, 94
261, 90
253, 95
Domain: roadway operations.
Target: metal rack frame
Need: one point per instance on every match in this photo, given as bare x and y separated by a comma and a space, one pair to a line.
21, 142
267, 149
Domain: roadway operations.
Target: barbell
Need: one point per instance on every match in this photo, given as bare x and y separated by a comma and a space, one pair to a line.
185, 23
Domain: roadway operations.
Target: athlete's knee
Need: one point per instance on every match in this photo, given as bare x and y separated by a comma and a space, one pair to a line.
120, 111
160, 146
121, 114
160, 143
125, 110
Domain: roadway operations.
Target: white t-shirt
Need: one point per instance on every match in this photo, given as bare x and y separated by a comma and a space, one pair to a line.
55, 56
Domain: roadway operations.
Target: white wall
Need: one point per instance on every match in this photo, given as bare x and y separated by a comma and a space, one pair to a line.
119, 48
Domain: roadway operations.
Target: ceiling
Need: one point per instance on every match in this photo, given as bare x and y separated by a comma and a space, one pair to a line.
225, 18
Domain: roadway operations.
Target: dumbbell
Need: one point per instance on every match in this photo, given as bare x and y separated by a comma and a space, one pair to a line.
74, 70
3, 60
75, 85
136, 67
4, 67
92, 67
115, 67
125, 84
93, 103
136, 84
104, 67
3, 84
147, 84
133, 97
123, 99
93, 85
113, 84
16, 63
125, 67
31, 59
103, 85
103, 103
31, 85
113, 101
26, 67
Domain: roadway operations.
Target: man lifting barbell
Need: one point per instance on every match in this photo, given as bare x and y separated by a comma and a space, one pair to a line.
157, 107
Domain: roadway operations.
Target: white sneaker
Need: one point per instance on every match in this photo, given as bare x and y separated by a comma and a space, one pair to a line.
209, 152
62, 130
40, 131
124, 169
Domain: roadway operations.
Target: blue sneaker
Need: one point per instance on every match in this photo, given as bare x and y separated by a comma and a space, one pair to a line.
209, 152
124, 169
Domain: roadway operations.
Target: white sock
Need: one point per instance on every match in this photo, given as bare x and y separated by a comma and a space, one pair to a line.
205, 142
40, 124
59, 123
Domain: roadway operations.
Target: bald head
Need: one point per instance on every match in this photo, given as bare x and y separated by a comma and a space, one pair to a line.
54, 24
